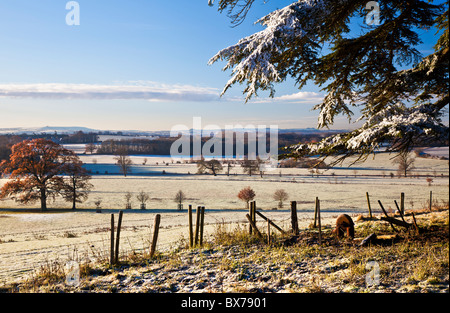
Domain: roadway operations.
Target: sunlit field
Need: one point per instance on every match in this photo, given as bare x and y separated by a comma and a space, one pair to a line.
340, 188
29, 238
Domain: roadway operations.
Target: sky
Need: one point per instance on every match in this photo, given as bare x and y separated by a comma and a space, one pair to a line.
135, 65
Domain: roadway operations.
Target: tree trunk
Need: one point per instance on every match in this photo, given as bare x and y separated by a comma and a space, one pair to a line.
74, 200
74, 193
43, 199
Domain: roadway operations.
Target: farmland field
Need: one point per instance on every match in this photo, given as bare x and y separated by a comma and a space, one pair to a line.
29, 238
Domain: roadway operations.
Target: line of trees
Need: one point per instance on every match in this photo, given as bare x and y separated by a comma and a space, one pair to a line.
6, 143
214, 166
255, 167
162, 145
137, 146
8, 140
143, 197
80, 137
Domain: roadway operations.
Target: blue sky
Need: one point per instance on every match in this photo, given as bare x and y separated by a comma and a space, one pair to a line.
153, 54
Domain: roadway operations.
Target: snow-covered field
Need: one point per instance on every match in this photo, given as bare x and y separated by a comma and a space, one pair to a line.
438, 151
29, 239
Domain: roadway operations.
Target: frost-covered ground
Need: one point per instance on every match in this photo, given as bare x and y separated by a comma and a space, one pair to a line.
339, 188
29, 239
438, 151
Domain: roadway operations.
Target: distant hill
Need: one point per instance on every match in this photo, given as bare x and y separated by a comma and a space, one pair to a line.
47, 130
162, 133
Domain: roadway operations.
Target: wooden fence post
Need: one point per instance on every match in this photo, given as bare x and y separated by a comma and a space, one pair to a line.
197, 225
402, 203
191, 234
315, 213
319, 220
202, 224
431, 199
400, 211
257, 232
111, 256
250, 212
368, 204
254, 212
119, 225
155, 234
294, 220
268, 231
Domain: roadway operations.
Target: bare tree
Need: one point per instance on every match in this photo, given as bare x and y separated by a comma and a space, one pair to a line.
228, 163
143, 197
90, 148
405, 163
179, 198
123, 161
213, 166
280, 195
76, 185
128, 197
250, 167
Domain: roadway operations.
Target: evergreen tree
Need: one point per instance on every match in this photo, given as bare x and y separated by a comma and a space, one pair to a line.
401, 94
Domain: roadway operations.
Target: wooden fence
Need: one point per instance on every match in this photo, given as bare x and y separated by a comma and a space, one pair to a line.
196, 233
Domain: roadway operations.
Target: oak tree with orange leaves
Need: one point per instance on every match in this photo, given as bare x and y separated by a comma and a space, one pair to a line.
36, 171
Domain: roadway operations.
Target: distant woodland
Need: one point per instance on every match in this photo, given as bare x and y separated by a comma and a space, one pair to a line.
134, 146
162, 145
7, 141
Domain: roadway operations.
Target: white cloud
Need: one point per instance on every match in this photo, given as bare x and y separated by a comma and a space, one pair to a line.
149, 91
302, 96
299, 97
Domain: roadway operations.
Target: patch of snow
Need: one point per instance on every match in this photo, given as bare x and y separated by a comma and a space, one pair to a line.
43, 217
